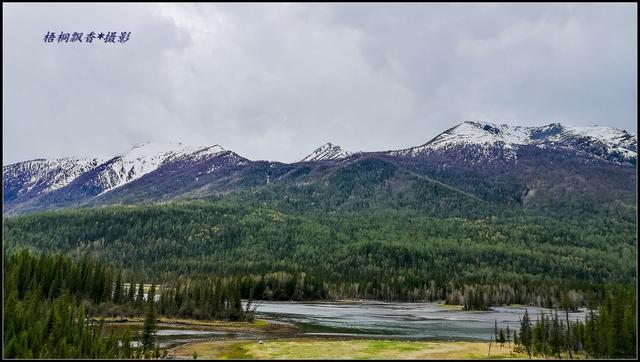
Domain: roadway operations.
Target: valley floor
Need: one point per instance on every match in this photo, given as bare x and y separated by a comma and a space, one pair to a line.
308, 348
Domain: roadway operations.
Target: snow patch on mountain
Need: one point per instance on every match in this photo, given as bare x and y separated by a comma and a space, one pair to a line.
328, 151
613, 139
597, 141
45, 175
148, 157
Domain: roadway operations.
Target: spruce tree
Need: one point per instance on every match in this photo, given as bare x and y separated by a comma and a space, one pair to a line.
140, 295
555, 335
131, 297
150, 328
117, 291
525, 333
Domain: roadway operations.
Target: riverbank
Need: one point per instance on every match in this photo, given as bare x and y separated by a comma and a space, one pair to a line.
309, 348
257, 326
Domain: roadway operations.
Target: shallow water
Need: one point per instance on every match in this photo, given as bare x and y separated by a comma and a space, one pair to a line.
186, 332
398, 320
407, 321
168, 336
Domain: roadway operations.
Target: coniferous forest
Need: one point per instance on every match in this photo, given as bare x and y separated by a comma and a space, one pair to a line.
320, 181
203, 257
54, 306
385, 255
609, 330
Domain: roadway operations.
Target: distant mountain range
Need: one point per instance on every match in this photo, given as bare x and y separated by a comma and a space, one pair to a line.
477, 158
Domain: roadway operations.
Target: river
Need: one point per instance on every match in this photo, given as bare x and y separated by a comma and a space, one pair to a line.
398, 320
407, 321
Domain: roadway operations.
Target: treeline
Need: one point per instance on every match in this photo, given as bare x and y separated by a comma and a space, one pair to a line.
483, 297
284, 286
208, 298
607, 332
202, 298
300, 286
53, 305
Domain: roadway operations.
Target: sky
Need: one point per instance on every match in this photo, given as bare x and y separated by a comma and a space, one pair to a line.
275, 81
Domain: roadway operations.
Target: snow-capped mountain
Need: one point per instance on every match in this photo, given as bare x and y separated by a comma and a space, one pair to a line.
39, 176
153, 172
72, 180
147, 157
597, 141
327, 151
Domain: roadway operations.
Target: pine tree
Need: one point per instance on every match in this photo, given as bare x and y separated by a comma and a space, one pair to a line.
150, 328
590, 335
117, 291
616, 330
131, 297
565, 303
140, 295
525, 333
555, 339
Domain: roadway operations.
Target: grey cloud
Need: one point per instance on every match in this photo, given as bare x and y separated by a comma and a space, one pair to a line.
273, 81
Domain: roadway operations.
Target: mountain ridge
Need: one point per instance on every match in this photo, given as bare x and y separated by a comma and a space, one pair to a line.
327, 151
151, 172
620, 143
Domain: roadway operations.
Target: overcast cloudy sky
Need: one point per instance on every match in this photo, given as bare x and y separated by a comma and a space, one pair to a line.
275, 81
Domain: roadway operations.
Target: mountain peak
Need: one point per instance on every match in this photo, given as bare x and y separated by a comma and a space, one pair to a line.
327, 151
146, 157
598, 141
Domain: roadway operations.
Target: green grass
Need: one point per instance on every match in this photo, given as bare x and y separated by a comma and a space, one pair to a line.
306, 348
451, 307
235, 351
377, 347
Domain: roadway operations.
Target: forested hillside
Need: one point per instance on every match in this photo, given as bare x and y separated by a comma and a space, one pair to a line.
463, 220
368, 253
